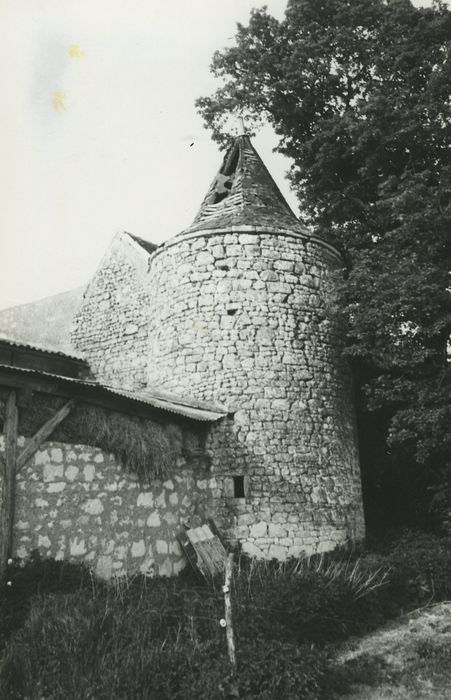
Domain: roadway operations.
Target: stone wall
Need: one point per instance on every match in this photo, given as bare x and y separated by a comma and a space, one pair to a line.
246, 318
111, 326
77, 503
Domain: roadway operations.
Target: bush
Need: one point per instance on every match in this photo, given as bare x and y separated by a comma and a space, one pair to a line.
420, 569
276, 669
36, 576
317, 600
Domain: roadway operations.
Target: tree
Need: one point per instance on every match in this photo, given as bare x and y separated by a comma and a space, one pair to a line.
359, 94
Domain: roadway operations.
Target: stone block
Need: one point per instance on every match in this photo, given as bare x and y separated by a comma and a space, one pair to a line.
71, 472
326, 546
279, 287
77, 547
252, 550
145, 499
93, 506
269, 276
138, 549
169, 518
160, 501
276, 530
89, 471
165, 568
56, 487
285, 265
154, 520
148, 566
56, 454
53, 472
162, 547
217, 251
276, 551
104, 567
259, 529
204, 258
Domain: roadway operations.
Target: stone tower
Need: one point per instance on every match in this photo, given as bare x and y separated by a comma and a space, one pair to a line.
242, 313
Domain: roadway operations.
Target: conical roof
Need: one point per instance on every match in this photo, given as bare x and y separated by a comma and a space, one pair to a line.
243, 193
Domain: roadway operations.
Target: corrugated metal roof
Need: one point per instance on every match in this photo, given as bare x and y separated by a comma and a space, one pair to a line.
39, 348
189, 408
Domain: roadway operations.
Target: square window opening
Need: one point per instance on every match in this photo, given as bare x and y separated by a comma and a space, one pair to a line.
238, 487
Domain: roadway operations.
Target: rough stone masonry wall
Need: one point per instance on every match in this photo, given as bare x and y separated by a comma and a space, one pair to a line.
76, 503
246, 318
110, 328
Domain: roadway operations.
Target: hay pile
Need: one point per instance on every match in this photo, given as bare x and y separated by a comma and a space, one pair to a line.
145, 447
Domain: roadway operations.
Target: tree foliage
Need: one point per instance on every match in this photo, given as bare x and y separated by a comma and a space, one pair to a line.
359, 94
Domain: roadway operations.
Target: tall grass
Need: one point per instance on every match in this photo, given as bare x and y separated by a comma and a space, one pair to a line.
139, 638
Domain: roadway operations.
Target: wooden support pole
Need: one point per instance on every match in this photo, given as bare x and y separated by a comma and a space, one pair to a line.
228, 611
42, 434
9, 481
11, 465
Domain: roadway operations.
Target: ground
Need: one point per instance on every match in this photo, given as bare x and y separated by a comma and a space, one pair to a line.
409, 659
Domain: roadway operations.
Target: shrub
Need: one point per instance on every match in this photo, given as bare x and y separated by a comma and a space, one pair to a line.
36, 576
420, 569
318, 600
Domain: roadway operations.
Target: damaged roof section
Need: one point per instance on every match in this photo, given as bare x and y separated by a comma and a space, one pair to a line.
243, 193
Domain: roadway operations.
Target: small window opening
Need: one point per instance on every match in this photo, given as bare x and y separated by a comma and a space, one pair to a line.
231, 312
238, 487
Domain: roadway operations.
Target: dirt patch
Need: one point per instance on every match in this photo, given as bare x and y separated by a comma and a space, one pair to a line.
407, 660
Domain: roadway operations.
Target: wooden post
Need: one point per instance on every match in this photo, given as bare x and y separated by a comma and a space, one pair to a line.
9, 481
43, 433
12, 464
228, 611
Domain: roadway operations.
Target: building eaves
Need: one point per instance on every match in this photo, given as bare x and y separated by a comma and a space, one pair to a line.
147, 245
89, 390
39, 348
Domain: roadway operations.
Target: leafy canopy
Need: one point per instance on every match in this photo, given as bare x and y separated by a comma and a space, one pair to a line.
359, 94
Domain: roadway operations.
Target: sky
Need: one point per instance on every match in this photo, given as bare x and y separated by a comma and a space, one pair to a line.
99, 132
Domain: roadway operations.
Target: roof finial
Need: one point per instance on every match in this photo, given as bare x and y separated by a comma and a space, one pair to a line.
241, 128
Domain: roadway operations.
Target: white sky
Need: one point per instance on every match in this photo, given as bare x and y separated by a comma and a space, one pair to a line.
119, 156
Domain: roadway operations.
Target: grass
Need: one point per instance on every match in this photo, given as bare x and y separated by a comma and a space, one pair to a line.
406, 660
65, 634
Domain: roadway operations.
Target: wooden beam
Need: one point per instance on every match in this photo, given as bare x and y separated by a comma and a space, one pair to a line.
9, 481
92, 395
42, 434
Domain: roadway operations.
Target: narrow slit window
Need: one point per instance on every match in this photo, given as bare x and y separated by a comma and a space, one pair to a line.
238, 487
